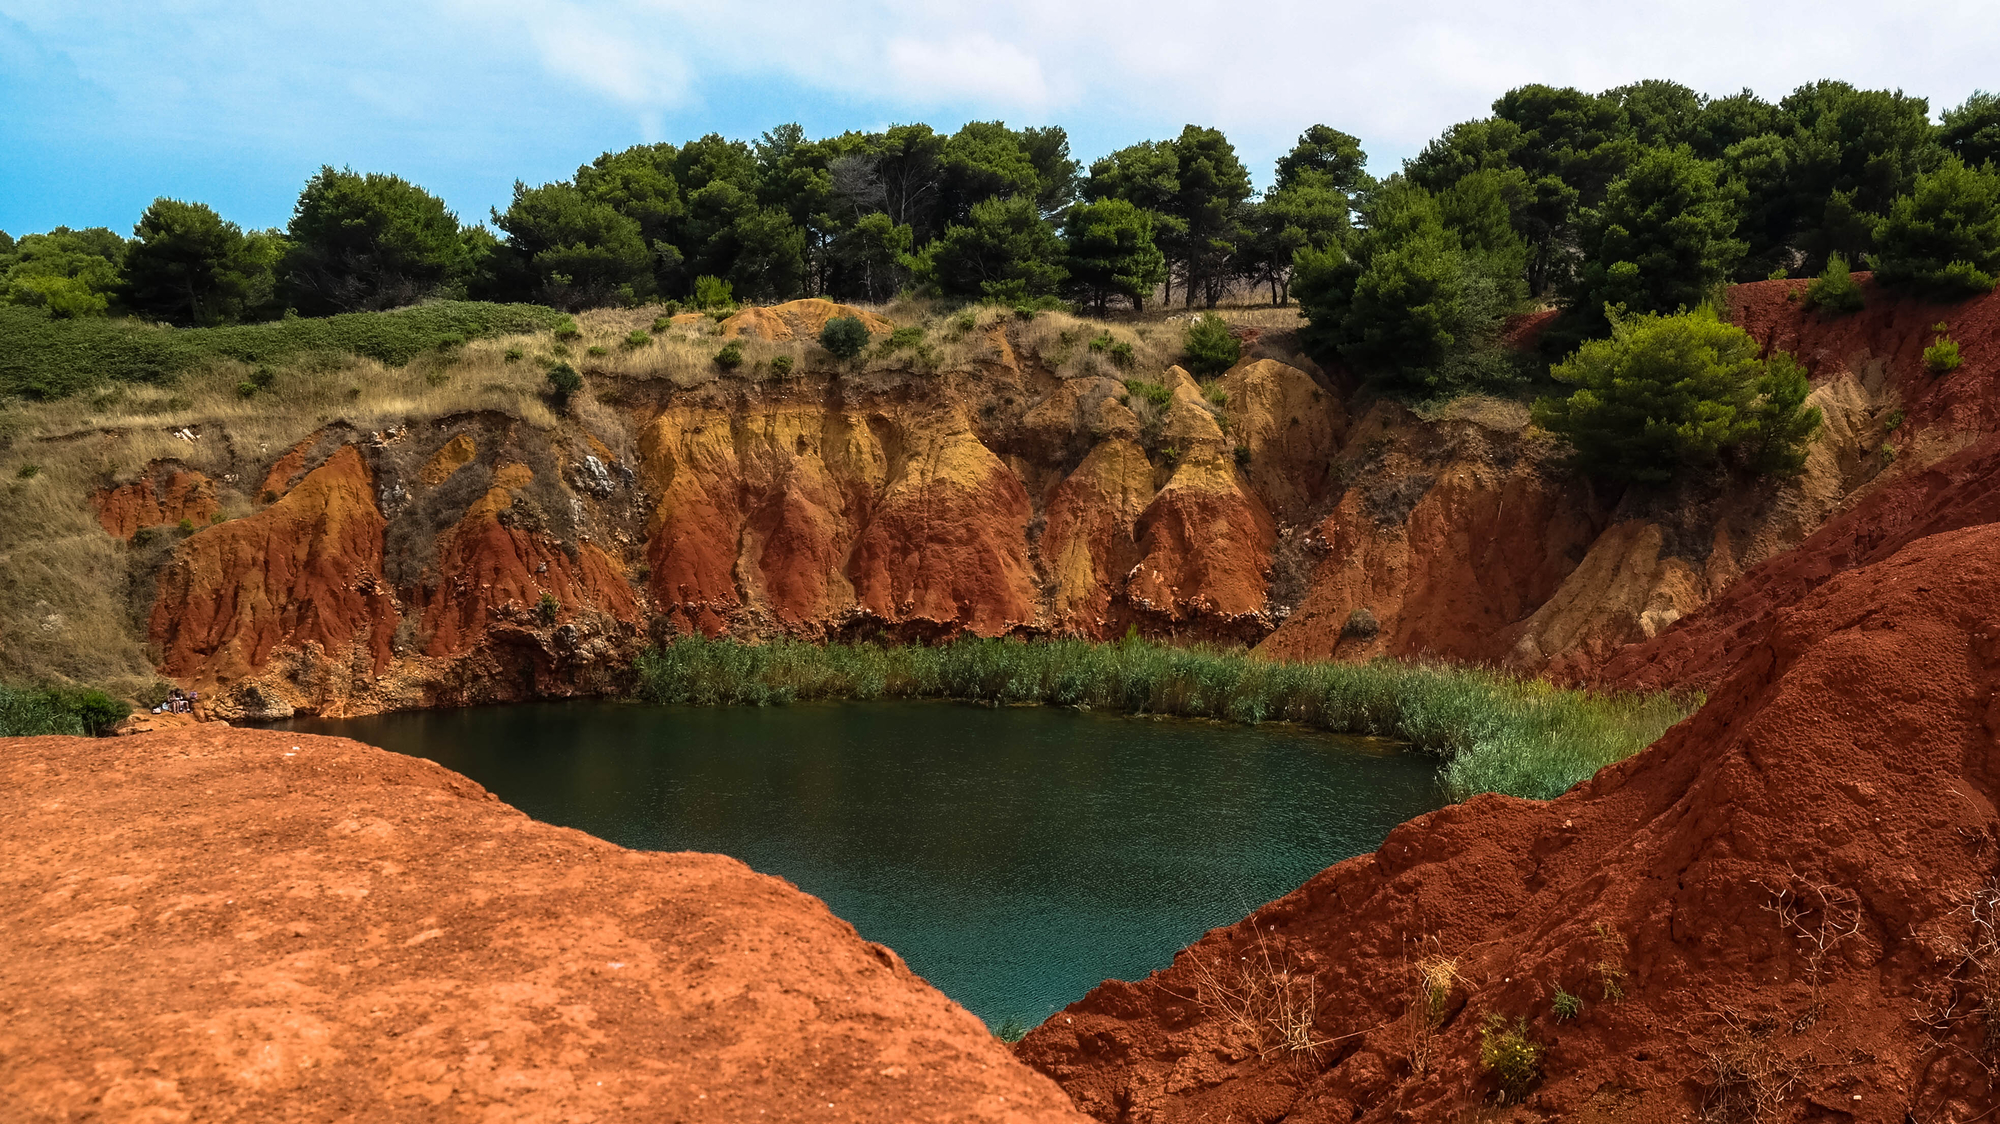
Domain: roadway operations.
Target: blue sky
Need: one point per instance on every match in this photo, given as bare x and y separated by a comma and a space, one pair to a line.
105, 104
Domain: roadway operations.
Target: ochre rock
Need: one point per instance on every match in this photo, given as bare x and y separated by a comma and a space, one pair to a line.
485, 567
1786, 886
1088, 546
305, 571
1288, 424
946, 547
238, 925
164, 495
798, 320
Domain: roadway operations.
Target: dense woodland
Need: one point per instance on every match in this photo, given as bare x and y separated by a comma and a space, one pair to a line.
1646, 198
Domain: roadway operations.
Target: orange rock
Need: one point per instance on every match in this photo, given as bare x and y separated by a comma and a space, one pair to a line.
1088, 546
164, 495
798, 320
946, 547
450, 457
484, 565
246, 926
303, 571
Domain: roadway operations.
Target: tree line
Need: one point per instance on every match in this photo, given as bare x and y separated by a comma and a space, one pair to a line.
1642, 199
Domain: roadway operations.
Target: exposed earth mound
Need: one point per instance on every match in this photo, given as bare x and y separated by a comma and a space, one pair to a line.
234, 925
1785, 909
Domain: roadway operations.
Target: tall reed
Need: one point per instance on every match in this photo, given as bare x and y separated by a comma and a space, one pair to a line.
1494, 732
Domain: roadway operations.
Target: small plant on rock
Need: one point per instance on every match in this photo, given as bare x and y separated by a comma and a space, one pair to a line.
548, 608
781, 365
1243, 456
1514, 1059
1566, 1006
1941, 357
844, 337
1610, 966
1835, 291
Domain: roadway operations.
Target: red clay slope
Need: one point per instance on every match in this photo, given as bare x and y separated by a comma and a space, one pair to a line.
1848, 752
209, 925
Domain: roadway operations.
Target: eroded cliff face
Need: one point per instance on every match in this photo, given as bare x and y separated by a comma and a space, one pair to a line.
476, 557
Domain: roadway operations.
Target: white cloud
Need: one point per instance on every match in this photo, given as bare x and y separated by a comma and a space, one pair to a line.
1395, 74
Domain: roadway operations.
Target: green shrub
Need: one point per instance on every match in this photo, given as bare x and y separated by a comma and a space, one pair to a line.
781, 365
1835, 290
596, 351
1514, 1060
903, 338
548, 608
1941, 357
713, 292
186, 526
1666, 394
1566, 1006
77, 711
1211, 350
638, 339
1942, 239
844, 337
1243, 456
1893, 422
514, 355
730, 357
564, 382
28, 471
662, 323
566, 329
1160, 396
1493, 733
51, 358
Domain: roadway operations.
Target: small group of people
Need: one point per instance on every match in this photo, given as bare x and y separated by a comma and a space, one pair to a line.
179, 702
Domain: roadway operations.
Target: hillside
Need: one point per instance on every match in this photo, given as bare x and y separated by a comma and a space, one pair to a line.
359, 537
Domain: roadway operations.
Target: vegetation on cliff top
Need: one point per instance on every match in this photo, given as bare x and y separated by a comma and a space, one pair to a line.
1494, 732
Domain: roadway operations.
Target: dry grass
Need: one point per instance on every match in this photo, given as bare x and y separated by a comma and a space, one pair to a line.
1267, 1005
1434, 977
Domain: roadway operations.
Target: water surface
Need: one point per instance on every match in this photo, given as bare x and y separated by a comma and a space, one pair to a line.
1014, 857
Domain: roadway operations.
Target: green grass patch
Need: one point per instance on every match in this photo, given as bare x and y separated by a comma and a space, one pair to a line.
1493, 732
45, 358
27, 712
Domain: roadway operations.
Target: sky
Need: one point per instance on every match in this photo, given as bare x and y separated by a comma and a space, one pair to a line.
107, 104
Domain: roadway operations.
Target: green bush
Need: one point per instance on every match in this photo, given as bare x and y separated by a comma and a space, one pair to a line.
1160, 396
548, 608
781, 365
844, 337
638, 339
566, 329
1493, 733
1514, 1059
1941, 357
662, 323
1670, 393
28, 471
50, 358
514, 355
1211, 350
564, 382
730, 357
902, 339
596, 351
713, 292
1835, 290
1943, 238
80, 711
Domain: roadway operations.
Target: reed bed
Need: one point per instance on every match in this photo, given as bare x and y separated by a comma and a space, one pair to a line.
1492, 732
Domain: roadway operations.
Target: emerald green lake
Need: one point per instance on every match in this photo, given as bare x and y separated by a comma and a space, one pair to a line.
1014, 857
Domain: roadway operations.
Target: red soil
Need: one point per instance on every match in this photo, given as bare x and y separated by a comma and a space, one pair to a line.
165, 495
1851, 748
305, 571
237, 925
